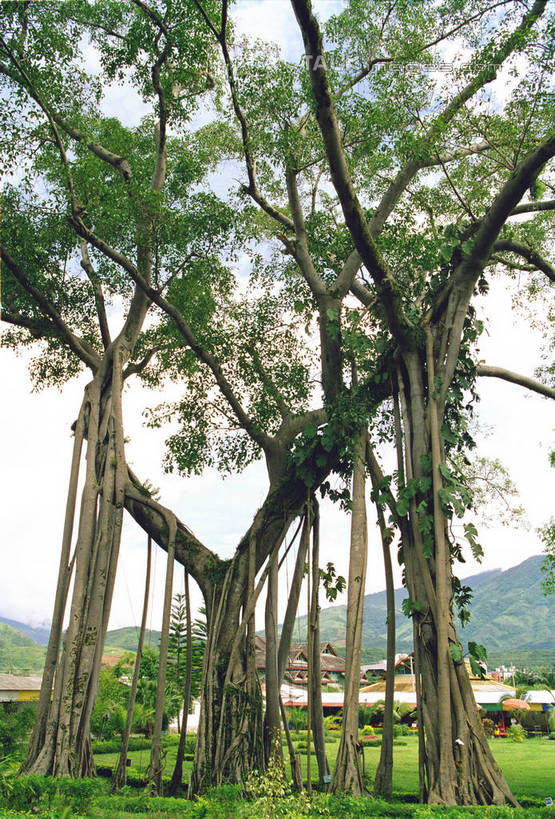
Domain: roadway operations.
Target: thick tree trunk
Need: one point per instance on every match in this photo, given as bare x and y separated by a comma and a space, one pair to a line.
177, 775
230, 734
348, 774
456, 758
120, 776
62, 589
65, 748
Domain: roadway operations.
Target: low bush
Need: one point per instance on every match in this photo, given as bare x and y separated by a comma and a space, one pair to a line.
516, 733
15, 726
41, 792
113, 746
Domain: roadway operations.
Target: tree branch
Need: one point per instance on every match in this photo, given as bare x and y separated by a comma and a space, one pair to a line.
527, 253
81, 348
38, 329
533, 207
252, 188
86, 264
207, 358
152, 516
483, 239
138, 367
120, 163
300, 248
352, 210
515, 378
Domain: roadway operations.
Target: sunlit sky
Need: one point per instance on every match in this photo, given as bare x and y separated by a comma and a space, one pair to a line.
36, 445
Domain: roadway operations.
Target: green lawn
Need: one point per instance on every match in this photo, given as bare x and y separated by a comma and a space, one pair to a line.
528, 766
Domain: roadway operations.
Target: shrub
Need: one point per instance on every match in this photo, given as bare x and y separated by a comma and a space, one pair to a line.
40, 791
297, 718
516, 733
14, 729
489, 726
333, 722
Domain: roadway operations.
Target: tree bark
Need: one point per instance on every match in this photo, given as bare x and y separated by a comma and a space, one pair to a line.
318, 730
383, 780
155, 766
62, 589
120, 776
348, 774
272, 720
456, 758
66, 744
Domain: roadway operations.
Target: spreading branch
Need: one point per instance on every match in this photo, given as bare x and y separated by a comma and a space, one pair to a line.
515, 378
87, 266
527, 253
352, 210
79, 346
534, 207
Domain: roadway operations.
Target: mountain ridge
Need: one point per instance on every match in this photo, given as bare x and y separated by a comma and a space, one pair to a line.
510, 615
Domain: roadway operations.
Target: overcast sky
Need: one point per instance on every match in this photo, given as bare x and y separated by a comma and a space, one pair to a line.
36, 445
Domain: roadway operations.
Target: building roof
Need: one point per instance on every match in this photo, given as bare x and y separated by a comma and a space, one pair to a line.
486, 691
544, 696
12, 682
298, 657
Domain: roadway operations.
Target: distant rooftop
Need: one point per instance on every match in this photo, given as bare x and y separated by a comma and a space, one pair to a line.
12, 682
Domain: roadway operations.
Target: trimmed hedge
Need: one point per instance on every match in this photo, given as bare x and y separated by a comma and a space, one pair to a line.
113, 746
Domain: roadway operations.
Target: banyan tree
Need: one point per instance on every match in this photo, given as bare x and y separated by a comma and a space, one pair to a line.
373, 203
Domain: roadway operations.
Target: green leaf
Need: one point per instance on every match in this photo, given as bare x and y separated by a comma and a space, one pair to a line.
477, 669
477, 651
402, 507
446, 251
456, 652
406, 606
445, 471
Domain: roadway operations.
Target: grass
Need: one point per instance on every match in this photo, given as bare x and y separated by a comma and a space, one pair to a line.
528, 766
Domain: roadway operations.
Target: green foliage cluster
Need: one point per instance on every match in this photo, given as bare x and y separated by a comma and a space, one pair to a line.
177, 648
516, 733
44, 792
15, 726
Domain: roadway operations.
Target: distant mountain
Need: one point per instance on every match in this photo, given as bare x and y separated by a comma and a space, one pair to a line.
19, 654
127, 639
509, 614
39, 635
